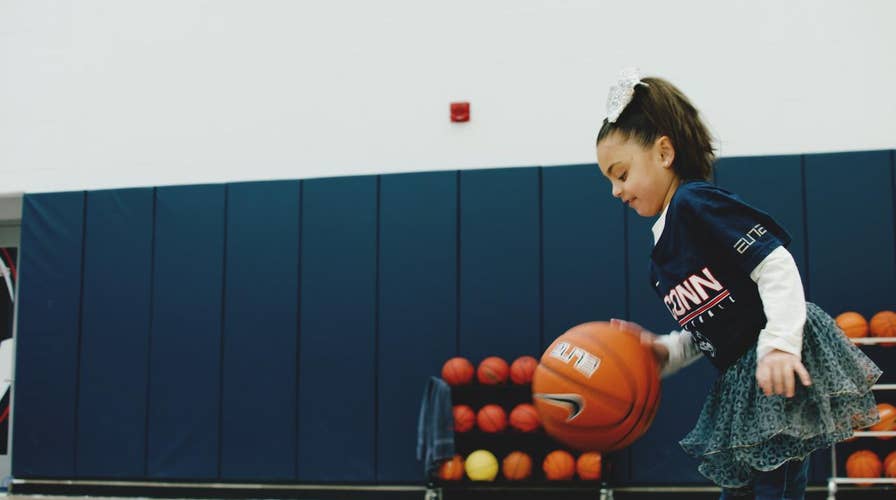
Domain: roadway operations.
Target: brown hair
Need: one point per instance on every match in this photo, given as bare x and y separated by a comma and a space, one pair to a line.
661, 109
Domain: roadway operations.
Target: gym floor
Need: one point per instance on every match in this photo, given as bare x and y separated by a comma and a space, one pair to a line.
814, 493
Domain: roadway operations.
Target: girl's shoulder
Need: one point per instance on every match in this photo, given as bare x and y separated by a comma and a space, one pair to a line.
703, 188
700, 195
719, 210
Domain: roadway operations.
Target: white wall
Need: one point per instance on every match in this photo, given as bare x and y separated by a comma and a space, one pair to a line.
109, 93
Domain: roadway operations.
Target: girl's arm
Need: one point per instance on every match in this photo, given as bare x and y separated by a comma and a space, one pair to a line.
781, 291
780, 342
673, 352
682, 351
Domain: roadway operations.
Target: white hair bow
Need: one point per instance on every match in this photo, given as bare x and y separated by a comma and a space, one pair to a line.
622, 92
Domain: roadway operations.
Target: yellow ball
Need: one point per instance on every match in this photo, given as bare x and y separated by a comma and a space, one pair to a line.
481, 465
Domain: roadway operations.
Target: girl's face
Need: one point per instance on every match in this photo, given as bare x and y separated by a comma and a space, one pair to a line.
641, 177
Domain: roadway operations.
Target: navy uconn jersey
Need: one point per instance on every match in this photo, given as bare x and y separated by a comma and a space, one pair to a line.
701, 264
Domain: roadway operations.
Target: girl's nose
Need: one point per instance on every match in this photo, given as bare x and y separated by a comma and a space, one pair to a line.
617, 190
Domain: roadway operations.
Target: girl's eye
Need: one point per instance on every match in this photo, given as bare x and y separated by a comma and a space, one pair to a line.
623, 176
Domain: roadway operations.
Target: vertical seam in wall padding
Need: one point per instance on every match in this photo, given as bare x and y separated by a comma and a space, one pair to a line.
223, 329
152, 283
540, 261
625, 269
805, 191
457, 275
80, 331
628, 292
893, 193
298, 327
376, 336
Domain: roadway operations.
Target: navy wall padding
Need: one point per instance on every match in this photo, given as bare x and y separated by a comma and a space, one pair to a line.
850, 220
417, 308
849, 212
337, 366
500, 285
261, 303
657, 457
49, 301
583, 244
112, 388
185, 335
584, 255
773, 184
283, 331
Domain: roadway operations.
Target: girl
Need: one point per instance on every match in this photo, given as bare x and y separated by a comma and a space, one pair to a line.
790, 381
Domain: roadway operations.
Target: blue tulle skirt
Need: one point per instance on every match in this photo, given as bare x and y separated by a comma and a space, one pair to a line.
741, 430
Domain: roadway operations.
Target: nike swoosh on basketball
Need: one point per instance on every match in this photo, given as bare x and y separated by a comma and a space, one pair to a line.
573, 402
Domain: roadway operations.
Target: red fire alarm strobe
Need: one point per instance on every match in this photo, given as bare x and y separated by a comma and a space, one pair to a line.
460, 111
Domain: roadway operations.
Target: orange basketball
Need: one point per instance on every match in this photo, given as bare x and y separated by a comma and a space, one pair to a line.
596, 388
522, 368
524, 418
890, 465
452, 469
516, 466
491, 418
559, 465
492, 370
853, 324
863, 463
883, 324
464, 418
887, 419
891, 458
457, 371
588, 465
890, 470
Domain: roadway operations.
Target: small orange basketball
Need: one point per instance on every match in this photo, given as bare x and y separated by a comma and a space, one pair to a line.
890, 465
491, 418
521, 369
853, 324
559, 465
887, 419
464, 418
891, 458
516, 466
457, 371
492, 370
524, 418
883, 324
588, 465
452, 469
596, 388
864, 463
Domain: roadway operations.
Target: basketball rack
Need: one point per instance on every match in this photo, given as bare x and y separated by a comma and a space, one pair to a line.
835, 479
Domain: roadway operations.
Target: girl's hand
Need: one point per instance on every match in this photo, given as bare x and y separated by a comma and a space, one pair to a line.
648, 339
774, 373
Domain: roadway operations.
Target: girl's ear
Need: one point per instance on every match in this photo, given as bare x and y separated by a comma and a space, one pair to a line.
665, 150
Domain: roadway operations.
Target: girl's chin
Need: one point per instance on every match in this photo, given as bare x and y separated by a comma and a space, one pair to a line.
646, 212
